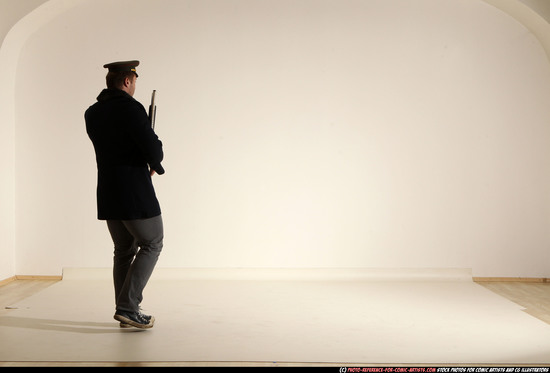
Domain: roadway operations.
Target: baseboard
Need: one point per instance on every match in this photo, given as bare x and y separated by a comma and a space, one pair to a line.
8, 280
475, 279
32, 277
511, 279
29, 277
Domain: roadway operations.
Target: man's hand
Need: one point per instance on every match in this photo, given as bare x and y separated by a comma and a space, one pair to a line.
152, 172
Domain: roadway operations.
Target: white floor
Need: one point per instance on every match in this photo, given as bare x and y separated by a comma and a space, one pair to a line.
262, 316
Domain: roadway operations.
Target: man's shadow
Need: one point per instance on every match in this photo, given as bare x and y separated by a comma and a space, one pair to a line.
86, 327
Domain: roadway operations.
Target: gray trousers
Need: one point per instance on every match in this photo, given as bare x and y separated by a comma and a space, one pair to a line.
138, 244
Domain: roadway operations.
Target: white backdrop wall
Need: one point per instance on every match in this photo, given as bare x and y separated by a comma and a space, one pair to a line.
7, 186
298, 133
10, 14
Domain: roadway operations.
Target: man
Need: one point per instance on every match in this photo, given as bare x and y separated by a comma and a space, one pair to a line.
128, 154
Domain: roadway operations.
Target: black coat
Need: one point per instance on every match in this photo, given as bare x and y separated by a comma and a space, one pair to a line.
126, 147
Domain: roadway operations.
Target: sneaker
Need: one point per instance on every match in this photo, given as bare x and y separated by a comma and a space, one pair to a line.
135, 319
146, 317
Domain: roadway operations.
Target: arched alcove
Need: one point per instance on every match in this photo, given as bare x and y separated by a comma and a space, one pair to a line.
297, 134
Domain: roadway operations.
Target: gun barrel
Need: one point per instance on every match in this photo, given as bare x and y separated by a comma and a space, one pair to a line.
153, 109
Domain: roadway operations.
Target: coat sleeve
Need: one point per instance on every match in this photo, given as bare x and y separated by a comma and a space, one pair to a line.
145, 137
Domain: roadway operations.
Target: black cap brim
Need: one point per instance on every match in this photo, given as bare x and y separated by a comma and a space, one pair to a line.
122, 66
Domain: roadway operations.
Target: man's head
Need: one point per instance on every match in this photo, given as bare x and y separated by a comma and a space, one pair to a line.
122, 75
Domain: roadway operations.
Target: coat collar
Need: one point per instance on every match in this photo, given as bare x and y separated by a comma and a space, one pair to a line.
110, 93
